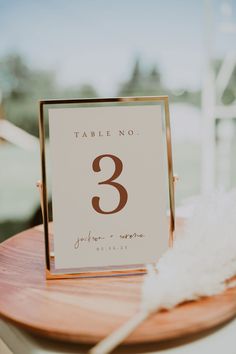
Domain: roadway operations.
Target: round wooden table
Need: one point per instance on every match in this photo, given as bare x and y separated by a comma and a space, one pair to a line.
87, 310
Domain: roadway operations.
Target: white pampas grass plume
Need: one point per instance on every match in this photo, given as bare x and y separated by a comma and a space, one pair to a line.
202, 258
200, 263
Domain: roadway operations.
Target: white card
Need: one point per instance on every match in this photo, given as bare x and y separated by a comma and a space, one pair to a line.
108, 186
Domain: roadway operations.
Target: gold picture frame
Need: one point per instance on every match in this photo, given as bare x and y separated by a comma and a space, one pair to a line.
49, 254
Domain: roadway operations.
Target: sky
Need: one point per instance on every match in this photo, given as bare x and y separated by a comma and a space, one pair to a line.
97, 41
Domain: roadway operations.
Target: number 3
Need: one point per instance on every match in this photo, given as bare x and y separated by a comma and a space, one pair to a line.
110, 181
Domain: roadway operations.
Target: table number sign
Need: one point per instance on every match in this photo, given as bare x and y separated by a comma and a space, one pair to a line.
112, 181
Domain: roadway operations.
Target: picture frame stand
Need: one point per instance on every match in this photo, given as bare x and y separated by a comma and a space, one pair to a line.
137, 107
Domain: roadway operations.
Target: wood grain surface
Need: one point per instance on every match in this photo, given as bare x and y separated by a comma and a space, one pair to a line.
87, 310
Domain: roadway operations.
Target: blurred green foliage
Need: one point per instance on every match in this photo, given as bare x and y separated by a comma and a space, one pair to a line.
229, 94
22, 87
149, 82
